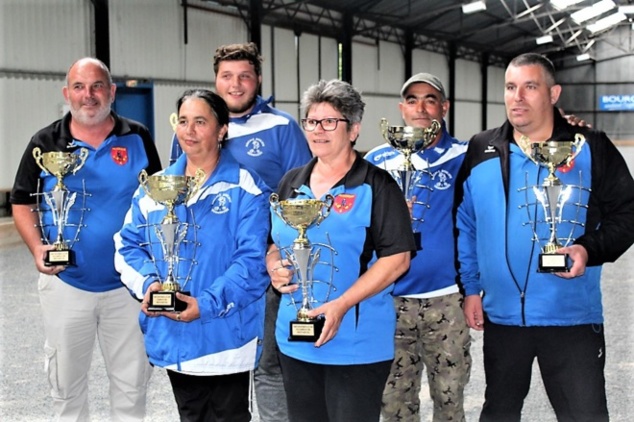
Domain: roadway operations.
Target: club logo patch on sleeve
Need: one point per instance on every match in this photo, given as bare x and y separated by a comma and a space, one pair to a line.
119, 155
343, 202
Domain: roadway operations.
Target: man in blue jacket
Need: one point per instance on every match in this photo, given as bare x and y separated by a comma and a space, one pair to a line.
431, 332
270, 142
525, 311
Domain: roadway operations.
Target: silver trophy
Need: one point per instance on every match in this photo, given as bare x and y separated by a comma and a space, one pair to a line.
553, 196
59, 202
301, 214
409, 140
170, 191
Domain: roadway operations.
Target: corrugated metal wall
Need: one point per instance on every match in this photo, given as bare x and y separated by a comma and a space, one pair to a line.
39, 39
44, 35
583, 85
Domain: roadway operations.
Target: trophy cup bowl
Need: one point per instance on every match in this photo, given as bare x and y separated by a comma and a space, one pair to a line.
301, 214
59, 164
552, 155
552, 195
409, 139
170, 191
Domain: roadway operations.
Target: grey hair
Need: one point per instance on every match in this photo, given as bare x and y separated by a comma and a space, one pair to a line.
529, 59
342, 96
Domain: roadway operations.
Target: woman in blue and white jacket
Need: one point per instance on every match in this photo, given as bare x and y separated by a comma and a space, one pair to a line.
208, 348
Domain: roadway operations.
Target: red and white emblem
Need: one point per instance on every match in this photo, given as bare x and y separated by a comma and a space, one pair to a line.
343, 202
119, 155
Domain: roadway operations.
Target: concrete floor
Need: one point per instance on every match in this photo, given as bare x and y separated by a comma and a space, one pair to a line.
24, 394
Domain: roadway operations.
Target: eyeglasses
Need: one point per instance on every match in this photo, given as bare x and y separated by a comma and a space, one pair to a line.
328, 124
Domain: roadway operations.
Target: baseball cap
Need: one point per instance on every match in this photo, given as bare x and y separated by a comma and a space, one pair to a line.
427, 78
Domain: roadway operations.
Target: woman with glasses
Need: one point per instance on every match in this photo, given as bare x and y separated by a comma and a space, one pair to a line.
356, 252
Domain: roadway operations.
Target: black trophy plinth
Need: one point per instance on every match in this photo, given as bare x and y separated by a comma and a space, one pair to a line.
166, 301
418, 240
63, 257
553, 263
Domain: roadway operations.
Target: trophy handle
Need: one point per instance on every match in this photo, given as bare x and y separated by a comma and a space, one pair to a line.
384, 125
432, 131
577, 144
195, 183
325, 211
143, 181
83, 154
37, 155
274, 200
174, 121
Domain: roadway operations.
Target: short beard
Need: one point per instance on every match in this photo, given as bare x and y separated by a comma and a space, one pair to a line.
81, 117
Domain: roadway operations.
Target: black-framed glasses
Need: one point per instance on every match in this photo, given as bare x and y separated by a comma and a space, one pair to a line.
328, 124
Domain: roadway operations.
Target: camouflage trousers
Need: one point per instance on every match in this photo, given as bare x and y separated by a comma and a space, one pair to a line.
430, 333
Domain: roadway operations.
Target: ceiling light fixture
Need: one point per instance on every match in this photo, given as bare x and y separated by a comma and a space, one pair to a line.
476, 6
605, 23
563, 4
593, 11
583, 57
544, 40
628, 10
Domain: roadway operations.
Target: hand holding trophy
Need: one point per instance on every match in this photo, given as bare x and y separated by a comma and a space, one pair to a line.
301, 214
59, 201
553, 195
169, 191
409, 140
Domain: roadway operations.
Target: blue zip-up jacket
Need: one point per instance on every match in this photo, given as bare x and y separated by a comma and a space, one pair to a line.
267, 140
498, 215
227, 277
432, 271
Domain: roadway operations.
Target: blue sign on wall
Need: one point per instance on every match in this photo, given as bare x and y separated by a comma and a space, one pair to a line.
616, 102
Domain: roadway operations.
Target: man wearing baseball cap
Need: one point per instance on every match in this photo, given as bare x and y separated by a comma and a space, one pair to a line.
431, 330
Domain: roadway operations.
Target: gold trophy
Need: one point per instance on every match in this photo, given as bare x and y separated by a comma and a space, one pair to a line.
553, 195
170, 191
301, 214
59, 201
409, 140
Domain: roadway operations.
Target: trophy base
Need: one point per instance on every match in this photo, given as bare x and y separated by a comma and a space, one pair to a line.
166, 302
306, 330
59, 257
553, 263
418, 240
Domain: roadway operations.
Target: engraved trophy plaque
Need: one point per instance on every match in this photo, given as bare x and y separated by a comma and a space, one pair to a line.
553, 195
60, 201
170, 191
409, 140
301, 214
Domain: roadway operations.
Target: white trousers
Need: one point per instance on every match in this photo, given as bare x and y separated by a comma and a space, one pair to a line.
73, 318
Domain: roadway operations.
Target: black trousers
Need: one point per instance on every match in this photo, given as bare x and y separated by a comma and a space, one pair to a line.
571, 362
333, 393
218, 398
